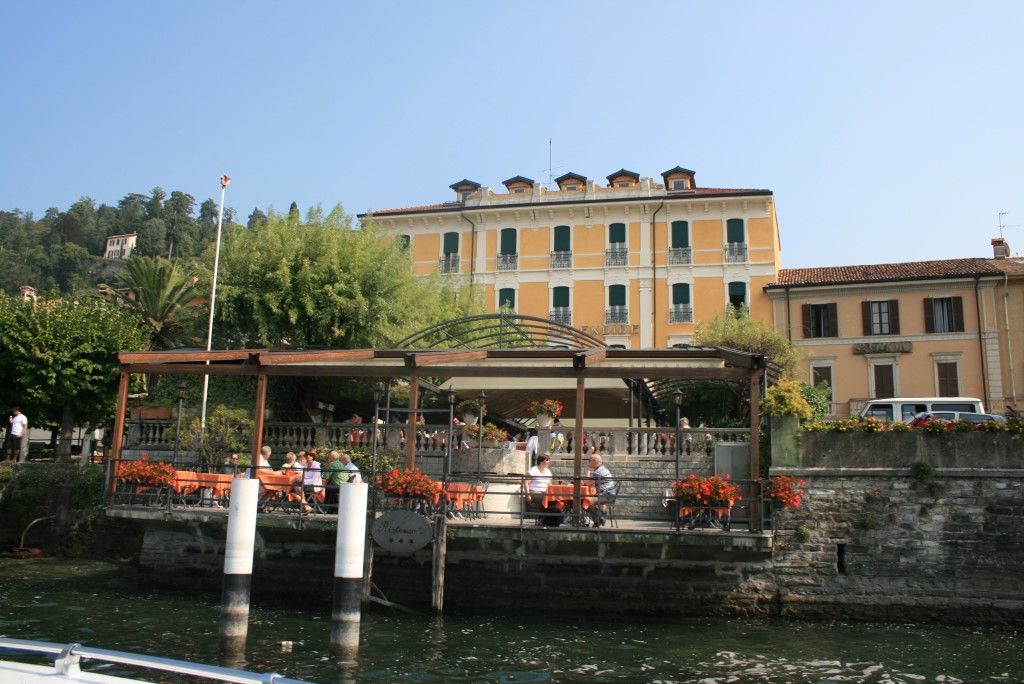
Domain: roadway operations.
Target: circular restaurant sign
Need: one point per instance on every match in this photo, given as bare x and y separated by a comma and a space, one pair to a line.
402, 531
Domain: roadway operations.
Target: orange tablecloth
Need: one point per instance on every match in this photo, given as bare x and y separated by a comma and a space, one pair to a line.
463, 494
184, 482
560, 495
219, 483
278, 484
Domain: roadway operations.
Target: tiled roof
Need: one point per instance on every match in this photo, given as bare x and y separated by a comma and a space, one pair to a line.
449, 206
877, 273
1012, 266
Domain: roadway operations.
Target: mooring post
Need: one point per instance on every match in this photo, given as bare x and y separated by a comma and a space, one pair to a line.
238, 552
348, 569
439, 558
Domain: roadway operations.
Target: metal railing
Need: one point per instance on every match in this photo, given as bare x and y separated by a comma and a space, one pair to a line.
449, 263
680, 255
508, 262
616, 315
561, 259
616, 256
680, 313
561, 315
68, 657
735, 252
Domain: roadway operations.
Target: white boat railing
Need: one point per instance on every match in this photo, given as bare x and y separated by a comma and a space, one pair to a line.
68, 656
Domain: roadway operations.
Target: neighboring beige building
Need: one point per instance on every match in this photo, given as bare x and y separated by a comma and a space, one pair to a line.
637, 263
120, 246
1009, 294
917, 329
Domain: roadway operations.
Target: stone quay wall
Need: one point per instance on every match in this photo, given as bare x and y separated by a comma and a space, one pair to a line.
899, 524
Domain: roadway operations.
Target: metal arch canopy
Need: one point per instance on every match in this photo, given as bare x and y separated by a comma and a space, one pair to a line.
500, 331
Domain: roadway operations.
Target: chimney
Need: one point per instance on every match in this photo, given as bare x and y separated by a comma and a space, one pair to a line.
1000, 250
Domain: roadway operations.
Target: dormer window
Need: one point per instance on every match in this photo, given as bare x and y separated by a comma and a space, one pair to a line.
623, 179
571, 188
519, 190
679, 184
464, 195
678, 178
464, 188
570, 182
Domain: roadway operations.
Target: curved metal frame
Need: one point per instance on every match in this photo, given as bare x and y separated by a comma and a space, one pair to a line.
500, 331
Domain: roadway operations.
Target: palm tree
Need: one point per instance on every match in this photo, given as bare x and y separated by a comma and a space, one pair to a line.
164, 297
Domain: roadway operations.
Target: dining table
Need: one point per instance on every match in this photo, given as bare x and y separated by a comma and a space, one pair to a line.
560, 495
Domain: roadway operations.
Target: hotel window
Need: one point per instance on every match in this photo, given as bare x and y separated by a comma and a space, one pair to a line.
507, 298
519, 191
679, 184
822, 374
560, 310
943, 314
561, 253
617, 253
404, 241
734, 231
737, 294
451, 243
736, 243
617, 312
571, 188
508, 259
883, 377
679, 252
624, 184
881, 317
682, 310
947, 378
820, 320
617, 235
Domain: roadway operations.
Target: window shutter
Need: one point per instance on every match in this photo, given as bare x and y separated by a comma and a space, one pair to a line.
894, 317
958, 314
865, 314
560, 297
680, 234
562, 239
832, 324
617, 295
617, 233
680, 293
734, 230
451, 243
508, 240
805, 311
929, 315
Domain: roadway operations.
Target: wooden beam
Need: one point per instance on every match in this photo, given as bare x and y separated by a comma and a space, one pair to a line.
417, 359
603, 370
189, 369
321, 356
185, 356
257, 422
122, 404
589, 357
577, 448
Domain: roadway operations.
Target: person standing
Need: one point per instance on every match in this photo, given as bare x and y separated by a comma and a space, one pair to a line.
16, 434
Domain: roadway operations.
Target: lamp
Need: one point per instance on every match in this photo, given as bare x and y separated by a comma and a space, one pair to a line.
378, 392
678, 396
480, 435
451, 435
451, 397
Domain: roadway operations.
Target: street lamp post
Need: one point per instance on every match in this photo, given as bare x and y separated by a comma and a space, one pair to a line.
225, 181
480, 434
678, 396
182, 387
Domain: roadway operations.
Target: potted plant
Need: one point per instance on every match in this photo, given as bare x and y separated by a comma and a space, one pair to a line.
409, 487
546, 410
706, 500
493, 435
785, 492
469, 409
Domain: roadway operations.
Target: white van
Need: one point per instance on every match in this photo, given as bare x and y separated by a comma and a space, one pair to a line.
904, 409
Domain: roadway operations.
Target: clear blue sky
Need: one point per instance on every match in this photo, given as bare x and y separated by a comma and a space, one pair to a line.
889, 131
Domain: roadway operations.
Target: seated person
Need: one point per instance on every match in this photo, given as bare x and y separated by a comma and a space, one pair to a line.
538, 480
312, 482
263, 463
351, 469
607, 489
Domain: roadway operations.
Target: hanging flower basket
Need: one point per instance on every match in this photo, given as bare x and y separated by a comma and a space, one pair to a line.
493, 435
470, 411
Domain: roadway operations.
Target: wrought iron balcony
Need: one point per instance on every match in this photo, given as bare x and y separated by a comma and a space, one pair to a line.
508, 262
736, 252
616, 256
680, 313
616, 315
680, 255
449, 263
561, 315
561, 260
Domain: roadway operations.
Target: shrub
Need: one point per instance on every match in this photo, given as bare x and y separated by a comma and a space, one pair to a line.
492, 433
786, 490
785, 399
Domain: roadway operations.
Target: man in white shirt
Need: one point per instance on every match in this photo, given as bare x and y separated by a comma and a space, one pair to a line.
16, 434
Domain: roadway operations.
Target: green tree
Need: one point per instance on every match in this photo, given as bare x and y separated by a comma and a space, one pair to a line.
322, 284
57, 359
293, 213
152, 240
257, 218
737, 330
160, 294
68, 229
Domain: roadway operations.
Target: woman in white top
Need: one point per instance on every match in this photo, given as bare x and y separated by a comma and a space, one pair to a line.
539, 479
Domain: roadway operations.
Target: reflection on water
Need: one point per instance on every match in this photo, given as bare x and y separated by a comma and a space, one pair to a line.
98, 604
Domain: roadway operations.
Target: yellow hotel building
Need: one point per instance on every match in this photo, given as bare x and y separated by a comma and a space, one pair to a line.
635, 262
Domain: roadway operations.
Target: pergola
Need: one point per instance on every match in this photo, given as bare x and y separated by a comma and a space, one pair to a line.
539, 349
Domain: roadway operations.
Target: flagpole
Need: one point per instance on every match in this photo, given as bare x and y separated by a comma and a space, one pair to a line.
225, 180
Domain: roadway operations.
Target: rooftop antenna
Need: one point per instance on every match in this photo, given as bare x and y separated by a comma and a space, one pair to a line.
550, 167
1003, 226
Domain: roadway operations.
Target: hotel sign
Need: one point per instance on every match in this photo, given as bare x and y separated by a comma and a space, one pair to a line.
600, 330
883, 348
402, 531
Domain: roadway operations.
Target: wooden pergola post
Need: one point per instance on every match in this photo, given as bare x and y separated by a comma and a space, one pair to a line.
257, 418
410, 430
577, 448
755, 424
122, 404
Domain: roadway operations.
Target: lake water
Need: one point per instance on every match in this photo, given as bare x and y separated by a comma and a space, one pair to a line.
99, 604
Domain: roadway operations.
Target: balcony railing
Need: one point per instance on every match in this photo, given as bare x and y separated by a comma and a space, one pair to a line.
616, 315
681, 313
736, 252
561, 315
449, 263
680, 255
561, 260
616, 256
508, 262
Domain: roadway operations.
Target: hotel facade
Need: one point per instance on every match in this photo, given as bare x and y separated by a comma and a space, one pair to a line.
635, 262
